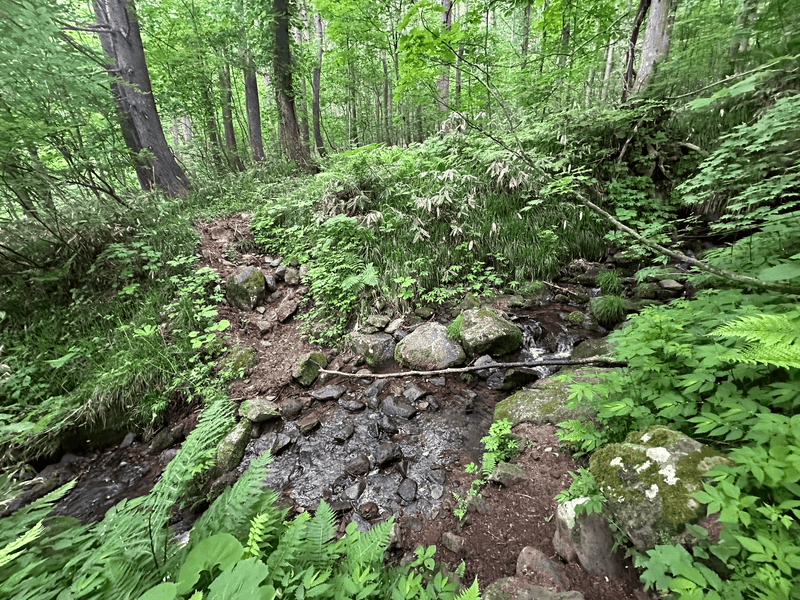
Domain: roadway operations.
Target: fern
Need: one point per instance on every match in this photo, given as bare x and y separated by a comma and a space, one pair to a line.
367, 278
288, 548
772, 339
367, 548
317, 550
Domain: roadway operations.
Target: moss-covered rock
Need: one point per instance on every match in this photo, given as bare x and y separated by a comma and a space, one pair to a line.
307, 368
485, 331
377, 321
575, 317
648, 291
231, 449
648, 481
593, 347
469, 302
239, 359
376, 348
245, 288
259, 409
428, 348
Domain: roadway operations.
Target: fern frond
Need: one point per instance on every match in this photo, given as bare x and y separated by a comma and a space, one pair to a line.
9, 552
317, 551
289, 546
773, 339
472, 593
370, 546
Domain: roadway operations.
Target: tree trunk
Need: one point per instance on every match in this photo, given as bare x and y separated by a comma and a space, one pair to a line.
187, 129
232, 152
630, 56
352, 99
211, 127
655, 48
387, 103
284, 92
745, 17
609, 65
544, 36
587, 103
301, 99
443, 85
526, 34
315, 88
253, 108
420, 133
121, 41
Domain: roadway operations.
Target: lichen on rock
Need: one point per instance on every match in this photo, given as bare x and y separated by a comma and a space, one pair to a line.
485, 331
429, 348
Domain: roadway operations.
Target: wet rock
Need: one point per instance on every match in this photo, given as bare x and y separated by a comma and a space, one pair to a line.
166, 438
376, 349
507, 474
344, 434
245, 288
307, 368
534, 566
397, 407
467, 303
354, 491
387, 425
376, 388
290, 408
280, 272
412, 393
374, 430
585, 538
128, 441
424, 312
352, 405
648, 481
358, 466
510, 379
387, 453
429, 348
453, 542
329, 392
378, 321
308, 424
239, 359
433, 403
231, 449
369, 511
287, 307
407, 490
259, 409
282, 441
166, 456
438, 381
592, 348
484, 330
393, 326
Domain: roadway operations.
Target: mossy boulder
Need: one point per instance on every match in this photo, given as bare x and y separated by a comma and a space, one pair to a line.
307, 368
428, 348
546, 400
665, 273
576, 317
245, 288
485, 331
230, 450
593, 347
259, 409
469, 302
648, 481
239, 359
376, 348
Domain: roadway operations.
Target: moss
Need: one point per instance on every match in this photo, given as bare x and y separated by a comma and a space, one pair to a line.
575, 317
308, 366
548, 407
655, 436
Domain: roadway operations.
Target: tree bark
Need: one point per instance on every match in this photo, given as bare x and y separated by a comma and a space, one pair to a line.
443, 85
352, 99
284, 91
387, 103
211, 127
315, 81
609, 65
122, 42
252, 108
187, 129
655, 48
526, 34
630, 56
301, 99
232, 152
745, 17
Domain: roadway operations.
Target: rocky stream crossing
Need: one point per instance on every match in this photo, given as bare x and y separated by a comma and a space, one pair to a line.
377, 447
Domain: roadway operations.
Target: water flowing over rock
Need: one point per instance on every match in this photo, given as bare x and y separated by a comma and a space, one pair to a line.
648, 481
428, 348
484, 330
245, 288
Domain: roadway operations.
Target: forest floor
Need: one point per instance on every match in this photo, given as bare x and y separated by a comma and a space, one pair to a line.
508, 520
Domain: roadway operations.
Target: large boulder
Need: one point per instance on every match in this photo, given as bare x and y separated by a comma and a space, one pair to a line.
307, 368
585, 538
516, 588
546, 400
245, 288
239, 359
376, 349
648, 481
428, 348
485, 331
230, 450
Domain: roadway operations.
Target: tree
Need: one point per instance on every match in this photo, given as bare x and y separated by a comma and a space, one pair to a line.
630, 56
227, 118
655, 47
119, 35
315, 86
252, 106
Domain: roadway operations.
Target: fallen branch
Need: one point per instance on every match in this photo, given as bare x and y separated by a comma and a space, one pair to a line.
553, 362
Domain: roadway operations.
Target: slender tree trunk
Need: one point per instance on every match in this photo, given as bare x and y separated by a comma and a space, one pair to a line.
232, 152
315, 81
526, 34
284, 91
352, 98
302, 98
121, 41
655, 48
387, 103
420, 133
214, 147
630, 56
543, 45
740, 41
187, 129
443, 85
253, 108
587, 103
609, 65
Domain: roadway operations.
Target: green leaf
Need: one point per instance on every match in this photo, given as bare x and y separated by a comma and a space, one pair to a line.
780, 272
750, 544
221, 549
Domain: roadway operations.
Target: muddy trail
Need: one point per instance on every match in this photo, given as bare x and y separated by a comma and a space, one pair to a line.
371, 460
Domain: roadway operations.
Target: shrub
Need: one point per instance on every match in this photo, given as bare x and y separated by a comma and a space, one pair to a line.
607, 310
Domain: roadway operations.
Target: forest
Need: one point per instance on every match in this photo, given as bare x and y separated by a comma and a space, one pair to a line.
414, 160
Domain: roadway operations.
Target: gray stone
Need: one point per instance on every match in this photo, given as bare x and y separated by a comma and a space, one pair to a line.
507, 474
376, 388
648, 481
329, 392
387, 425
397, 407
264, 326
358, 466
354, 491
412, 393
280, 272
308, 366
276, 263
438, 381
379, 321
437, 490
665, 273
586, 539
352, 405
282, 441
424, 312
129, 439
369, 511
453, 542
287, 307
259, 409
670, 285
515, 588
277, 294
344, 434
290, 409
393, 326
245, 288
308, 424
166, 456
534, 566
407, 490
484, 361
269, 283
592, 348
484, 330
428, 348
647, 291
291, 276
387, 453
376, 349
230, 450
239, 359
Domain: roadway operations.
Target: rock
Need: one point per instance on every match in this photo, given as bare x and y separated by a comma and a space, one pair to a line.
239, 359
259, 409
393, 326
287, 307
510, 379
290, 408
230, 450
308, 366
277, 294
533, 566
576, 317
396, 407
214, 489
387, 425
648, 481
354, 491
507, 474
291, 276
546, 400
438, 381
469, 302
358, 466
484, 361
302, 271
269, 283
166, 456
245, 288
166, 438
515, 588
264, 326
520, 302
387, 453
308, 424
484, 330
369, 511
561, 299
329, 392
649, 291
428, 348
585, 538
424, 312
376, 388
368, 329
379, 321
280, 272
276, 263
407, 490
477, 504
437, 490
282, 441
352, 405
664, 273
593, 347
344, 434
453, 542
671, 285
376, 349
129, 439
412, 393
